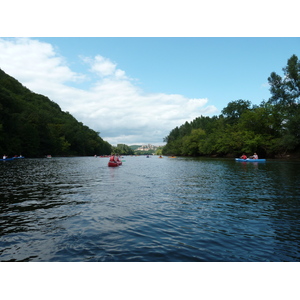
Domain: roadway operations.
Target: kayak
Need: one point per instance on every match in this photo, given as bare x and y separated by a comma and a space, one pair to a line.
114, 163
7, 159
251, 160
12, 158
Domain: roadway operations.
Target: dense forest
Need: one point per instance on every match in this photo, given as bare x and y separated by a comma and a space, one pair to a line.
34, 126
271, 129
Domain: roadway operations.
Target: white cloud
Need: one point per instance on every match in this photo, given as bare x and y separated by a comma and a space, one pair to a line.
101, 65
114, 106
33, 61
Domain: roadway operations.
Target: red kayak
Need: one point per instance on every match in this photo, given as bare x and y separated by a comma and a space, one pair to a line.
114, 161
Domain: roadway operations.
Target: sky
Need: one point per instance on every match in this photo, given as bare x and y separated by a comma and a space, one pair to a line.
135, 90
134, 72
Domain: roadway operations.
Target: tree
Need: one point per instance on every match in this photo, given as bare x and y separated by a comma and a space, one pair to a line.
123, 149
235, 109
191, 142
286, 90
286, 100
34, 125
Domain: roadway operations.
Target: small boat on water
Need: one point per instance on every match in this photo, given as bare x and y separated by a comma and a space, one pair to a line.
11, 158
7, 159
113, 164
251, 159
114, 161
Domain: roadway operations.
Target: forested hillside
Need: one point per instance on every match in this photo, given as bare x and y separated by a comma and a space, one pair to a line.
270, 129
34, 126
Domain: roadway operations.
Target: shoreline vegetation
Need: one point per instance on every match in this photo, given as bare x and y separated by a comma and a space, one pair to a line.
34, 125
271, 129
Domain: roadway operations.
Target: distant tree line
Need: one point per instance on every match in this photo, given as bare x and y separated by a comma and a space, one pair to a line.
270, 129
34, 126
123, 149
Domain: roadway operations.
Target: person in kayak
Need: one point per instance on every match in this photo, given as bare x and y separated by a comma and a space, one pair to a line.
254, 156
112, 158
244, 156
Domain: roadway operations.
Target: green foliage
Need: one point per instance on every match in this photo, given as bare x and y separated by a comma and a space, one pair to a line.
34, 126
191, 142
286, 90
134, 147
235, 109
272, 128
144, 152
123, 149
159, 151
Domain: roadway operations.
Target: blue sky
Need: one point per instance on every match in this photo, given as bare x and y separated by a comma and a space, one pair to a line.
135, 70
135, 90
190, 66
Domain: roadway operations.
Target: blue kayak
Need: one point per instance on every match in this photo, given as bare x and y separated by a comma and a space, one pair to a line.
12, 158
251, 160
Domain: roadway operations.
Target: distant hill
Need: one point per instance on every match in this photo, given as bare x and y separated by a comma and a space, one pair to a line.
33, 125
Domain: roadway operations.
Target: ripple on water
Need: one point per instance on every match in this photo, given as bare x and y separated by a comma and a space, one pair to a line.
78, 209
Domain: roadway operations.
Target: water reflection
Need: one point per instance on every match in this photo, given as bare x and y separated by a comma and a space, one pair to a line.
78, 209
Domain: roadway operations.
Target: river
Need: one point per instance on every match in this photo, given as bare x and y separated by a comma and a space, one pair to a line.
149, 210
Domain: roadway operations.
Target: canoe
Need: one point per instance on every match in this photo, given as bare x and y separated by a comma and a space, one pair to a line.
251, 160
114, 163
7, 159
12, 158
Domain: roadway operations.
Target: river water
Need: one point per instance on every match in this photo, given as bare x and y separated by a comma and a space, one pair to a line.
149, 209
